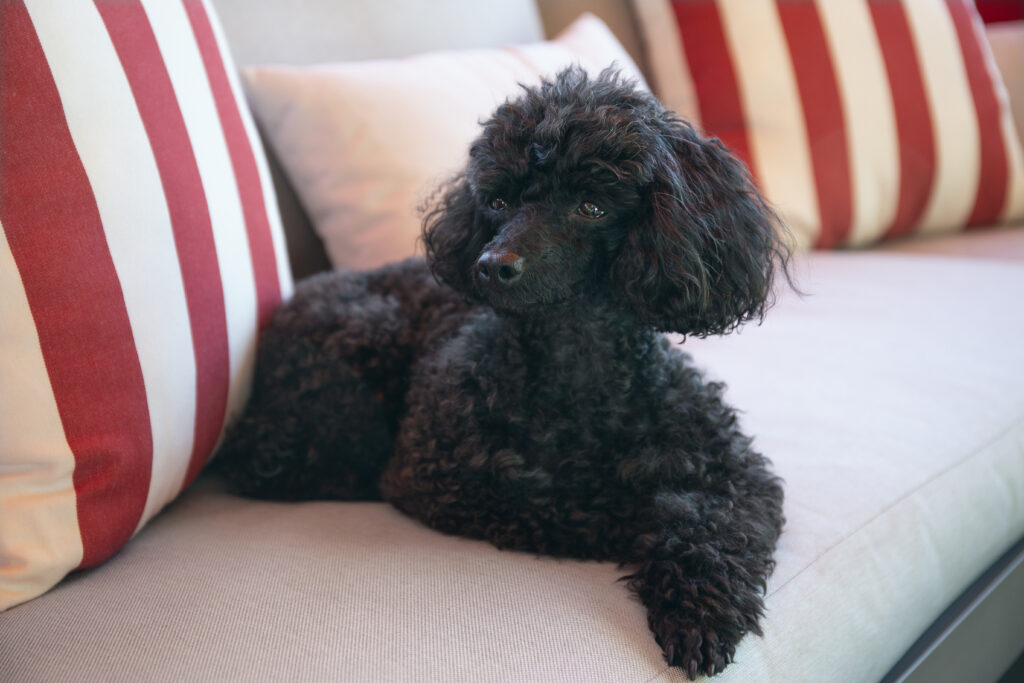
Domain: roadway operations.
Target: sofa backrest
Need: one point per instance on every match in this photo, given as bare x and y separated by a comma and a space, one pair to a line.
311, 31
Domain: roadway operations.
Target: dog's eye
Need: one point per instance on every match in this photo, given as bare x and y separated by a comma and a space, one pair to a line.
590, 210
499, 204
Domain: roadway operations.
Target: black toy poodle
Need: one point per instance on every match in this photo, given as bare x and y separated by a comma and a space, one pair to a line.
516, 387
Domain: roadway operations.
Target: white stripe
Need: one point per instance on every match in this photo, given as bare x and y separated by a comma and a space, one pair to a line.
667, 58
871, 137
1013, 209
39, 537
115, 151
181, 55
773, 111
284, 273
954, 120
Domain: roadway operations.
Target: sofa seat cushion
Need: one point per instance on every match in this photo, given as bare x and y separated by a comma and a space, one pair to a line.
890, 398
326, 591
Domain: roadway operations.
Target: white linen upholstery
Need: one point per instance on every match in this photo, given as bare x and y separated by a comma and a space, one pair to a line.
890, 397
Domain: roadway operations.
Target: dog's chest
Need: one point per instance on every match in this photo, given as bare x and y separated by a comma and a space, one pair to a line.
571, 404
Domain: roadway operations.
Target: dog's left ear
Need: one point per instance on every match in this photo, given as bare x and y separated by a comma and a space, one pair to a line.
703, 257
450, 235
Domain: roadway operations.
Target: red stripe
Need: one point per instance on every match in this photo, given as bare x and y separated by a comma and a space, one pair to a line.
993, 11
823, 116
913, 120
136, 46
995, 168
711, 67
53, 227
250, 188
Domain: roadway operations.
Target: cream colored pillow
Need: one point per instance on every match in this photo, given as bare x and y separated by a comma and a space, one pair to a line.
365, 143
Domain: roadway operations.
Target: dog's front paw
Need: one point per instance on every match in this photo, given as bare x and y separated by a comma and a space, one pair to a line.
695, 648
698, 623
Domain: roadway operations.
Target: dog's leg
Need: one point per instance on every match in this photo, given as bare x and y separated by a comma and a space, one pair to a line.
331, 374
326, 440
704, 563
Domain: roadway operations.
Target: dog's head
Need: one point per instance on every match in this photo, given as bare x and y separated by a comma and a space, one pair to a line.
589, 187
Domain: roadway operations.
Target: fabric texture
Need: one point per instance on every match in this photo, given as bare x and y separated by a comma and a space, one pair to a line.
366, 143
898, 433
141, 250
861, 121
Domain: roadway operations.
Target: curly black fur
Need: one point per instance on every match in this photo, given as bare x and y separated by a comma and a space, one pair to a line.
524, 394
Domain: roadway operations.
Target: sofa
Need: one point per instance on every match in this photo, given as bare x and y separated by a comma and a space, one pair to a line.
888, 391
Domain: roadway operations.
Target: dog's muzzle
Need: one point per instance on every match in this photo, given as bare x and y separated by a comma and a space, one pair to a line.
499, 270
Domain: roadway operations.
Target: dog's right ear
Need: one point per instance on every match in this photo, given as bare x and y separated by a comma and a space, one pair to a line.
450, 236
703, 259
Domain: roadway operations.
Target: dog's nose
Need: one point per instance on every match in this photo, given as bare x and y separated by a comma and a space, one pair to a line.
500, 269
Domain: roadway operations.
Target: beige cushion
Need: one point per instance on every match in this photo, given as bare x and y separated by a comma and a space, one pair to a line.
316, 31
891, 399
354, 140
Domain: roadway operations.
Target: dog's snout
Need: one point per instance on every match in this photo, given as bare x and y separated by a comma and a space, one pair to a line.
500, 269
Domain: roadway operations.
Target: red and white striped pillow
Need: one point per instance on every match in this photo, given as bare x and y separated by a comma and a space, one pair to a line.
861, 120
140, 248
